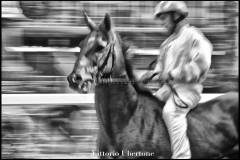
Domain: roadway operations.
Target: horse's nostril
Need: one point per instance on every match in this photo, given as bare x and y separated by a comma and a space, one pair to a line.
71, 78
78, 78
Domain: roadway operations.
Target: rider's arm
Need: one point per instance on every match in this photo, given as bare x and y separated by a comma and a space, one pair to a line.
200, 61
156, 72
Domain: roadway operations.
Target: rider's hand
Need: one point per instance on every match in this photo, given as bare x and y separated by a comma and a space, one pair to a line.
146, 77
175, 74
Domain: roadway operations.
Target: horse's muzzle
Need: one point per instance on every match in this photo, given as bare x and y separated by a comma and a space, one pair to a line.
78, 84
73, 81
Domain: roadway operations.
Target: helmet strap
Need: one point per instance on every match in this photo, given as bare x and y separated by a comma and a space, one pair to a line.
176, 21
179, 19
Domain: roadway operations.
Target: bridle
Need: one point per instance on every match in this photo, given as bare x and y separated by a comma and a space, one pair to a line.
104, 71
103, 68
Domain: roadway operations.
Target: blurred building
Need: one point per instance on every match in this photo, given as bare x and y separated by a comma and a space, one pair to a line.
60, 24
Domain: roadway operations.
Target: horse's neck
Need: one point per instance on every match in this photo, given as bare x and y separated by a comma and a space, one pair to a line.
116, 100
115, 105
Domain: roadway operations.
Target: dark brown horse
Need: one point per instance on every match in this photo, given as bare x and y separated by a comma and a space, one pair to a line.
130, 118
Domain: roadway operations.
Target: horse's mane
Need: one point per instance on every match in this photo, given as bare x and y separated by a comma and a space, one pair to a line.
125, 45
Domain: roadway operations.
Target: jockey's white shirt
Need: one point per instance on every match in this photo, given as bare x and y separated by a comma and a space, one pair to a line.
187, 55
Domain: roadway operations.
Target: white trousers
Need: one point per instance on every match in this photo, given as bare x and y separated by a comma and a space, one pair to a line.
175, 119
176, 122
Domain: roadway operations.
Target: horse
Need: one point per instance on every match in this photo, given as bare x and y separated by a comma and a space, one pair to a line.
130, 117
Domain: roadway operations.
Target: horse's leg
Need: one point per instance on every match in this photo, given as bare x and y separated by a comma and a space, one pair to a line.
102, 146
105, 148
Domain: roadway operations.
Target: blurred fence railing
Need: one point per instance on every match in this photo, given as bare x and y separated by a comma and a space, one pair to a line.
77, 49
12, 99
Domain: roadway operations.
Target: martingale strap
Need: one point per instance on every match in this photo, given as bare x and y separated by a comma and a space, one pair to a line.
115, 81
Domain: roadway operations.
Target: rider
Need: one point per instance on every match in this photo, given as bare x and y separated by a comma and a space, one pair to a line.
183, 64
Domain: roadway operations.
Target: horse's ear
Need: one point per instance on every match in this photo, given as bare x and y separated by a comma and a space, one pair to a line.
106, 24
89, 21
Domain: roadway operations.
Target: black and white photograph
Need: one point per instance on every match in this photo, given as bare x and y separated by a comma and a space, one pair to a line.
120, 80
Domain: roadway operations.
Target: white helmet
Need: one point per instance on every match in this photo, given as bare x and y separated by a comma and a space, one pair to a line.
171, 6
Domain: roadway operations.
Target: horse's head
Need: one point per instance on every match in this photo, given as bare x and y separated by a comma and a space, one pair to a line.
96, 55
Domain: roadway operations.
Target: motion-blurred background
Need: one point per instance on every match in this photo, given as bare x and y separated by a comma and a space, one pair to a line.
39, 47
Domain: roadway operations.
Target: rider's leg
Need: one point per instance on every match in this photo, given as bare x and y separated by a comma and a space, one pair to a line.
176, 122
